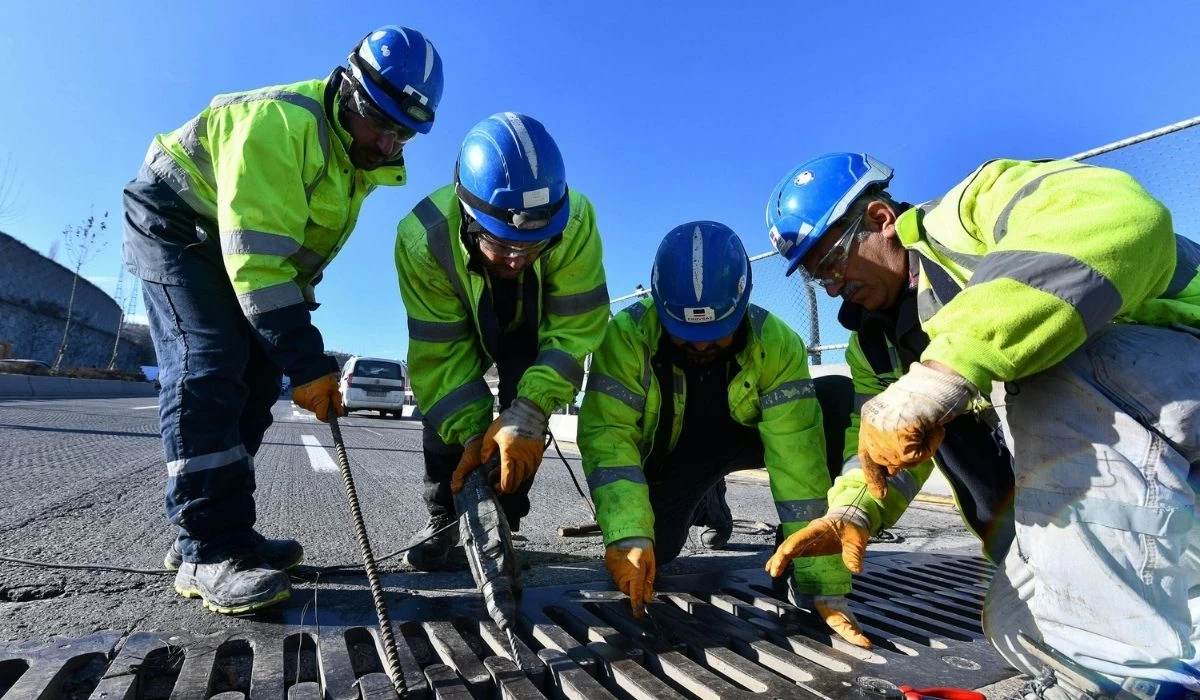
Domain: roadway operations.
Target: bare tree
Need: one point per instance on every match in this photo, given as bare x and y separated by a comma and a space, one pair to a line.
129, 307
9, 193
82, 243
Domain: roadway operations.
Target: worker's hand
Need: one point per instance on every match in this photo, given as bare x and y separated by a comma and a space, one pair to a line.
631, 563
321, 396
843, 530
903, 426
835, 611
519, 432
468, 463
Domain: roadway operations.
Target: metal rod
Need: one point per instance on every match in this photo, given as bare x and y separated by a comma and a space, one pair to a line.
364, 545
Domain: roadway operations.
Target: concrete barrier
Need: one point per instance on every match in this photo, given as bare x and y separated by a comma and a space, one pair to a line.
31, 386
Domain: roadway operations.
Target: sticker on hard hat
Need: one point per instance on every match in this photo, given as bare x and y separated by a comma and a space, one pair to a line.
781, 244
803, 178
699, 314
535, 198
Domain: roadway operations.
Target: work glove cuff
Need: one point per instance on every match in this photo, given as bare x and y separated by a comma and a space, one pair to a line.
526, 417
850, 514
952, 392
632, 543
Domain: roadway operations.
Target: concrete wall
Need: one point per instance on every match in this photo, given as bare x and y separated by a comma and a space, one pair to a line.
34, 293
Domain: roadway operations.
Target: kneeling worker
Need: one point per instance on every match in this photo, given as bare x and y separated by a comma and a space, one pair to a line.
687, 387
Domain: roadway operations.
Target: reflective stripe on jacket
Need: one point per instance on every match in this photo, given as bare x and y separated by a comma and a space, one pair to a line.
771, 391
268, 172
447, 344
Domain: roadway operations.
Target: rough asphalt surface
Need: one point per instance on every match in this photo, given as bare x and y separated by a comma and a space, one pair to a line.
83, 484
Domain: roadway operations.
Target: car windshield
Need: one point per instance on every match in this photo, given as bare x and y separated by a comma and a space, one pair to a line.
377, 370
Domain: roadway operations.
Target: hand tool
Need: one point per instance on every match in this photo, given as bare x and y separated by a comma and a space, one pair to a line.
487, 541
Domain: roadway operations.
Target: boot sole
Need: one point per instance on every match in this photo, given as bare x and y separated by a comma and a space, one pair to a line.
170, 563
236, 609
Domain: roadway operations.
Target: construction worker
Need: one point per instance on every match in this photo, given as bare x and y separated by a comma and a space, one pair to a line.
1054, 301
686, 387
501, 267
230, 223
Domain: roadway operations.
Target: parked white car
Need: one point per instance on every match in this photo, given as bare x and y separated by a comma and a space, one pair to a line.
373, 383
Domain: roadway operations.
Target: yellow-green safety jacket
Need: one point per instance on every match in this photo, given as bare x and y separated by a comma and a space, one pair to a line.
269, 175
1019, 264
448, 332
771, 391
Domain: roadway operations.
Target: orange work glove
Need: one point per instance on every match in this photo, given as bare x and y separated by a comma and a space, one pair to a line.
468, 463
519, 432
903, 426
321, 396
835, 611
843, 530
631, 563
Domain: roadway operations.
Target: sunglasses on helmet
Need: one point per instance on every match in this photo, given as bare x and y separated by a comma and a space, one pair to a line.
411, 103
521, 220
362, 105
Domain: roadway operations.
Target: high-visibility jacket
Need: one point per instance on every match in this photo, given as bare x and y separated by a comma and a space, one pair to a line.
772, 391
452, 326
1019, 264
269, 175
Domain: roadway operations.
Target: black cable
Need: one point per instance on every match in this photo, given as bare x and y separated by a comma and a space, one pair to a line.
571, 472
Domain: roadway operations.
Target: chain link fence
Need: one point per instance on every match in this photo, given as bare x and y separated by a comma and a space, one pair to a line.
1166, 161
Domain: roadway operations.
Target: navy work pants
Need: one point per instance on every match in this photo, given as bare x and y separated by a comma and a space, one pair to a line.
218, 385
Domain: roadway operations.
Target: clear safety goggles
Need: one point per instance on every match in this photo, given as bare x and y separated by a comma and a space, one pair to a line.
510, 250
831, 268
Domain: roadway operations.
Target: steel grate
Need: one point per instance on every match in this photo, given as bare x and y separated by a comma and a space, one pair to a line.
727, 635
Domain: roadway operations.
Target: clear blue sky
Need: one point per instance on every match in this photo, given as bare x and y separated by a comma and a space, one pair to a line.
665, 111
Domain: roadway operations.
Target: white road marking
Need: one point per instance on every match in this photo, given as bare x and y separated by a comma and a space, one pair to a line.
142, 408
373, 432
303, 414
317, 455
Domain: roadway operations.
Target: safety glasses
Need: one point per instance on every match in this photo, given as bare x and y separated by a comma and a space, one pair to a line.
411, 103
831, 268
509, 250
364, 107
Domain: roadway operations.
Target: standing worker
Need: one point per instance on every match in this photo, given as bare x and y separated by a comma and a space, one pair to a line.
1066, 285
501, 267
687, 387
230, 223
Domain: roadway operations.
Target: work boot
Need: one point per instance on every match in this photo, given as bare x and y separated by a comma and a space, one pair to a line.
277, 554
240, 583
715, 539
714, 513
427, 551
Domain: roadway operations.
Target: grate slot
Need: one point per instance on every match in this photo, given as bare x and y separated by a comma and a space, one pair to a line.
11, 671
555, 638
455, 653
571, 680
627, 678
445, 684
300, 659
512, 682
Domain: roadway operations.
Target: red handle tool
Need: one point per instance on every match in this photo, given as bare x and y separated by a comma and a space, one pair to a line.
940, 694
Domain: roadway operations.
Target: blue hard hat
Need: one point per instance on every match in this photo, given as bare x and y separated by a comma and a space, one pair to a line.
402, 72
816, 194
511, 179
701, 281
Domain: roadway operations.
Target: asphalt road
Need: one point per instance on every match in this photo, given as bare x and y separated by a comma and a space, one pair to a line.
84, 479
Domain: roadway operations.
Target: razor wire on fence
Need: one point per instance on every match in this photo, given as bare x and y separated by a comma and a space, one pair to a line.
1166, 161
